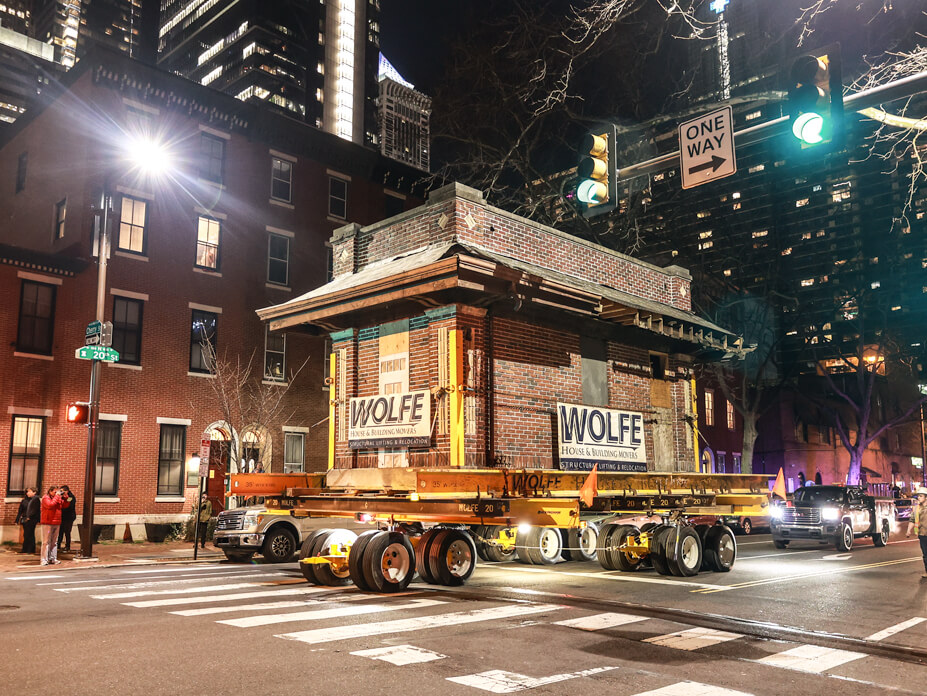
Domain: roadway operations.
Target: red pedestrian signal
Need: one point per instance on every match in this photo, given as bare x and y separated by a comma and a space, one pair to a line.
78, 413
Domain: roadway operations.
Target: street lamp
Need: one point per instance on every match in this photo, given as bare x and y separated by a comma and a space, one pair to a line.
150, 158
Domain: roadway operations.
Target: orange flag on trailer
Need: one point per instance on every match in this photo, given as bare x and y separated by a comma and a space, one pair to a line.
589, 490
779, 486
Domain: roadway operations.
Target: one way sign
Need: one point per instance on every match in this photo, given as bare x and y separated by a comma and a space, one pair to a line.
706, 148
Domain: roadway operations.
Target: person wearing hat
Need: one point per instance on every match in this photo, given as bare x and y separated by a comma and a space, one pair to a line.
920, 522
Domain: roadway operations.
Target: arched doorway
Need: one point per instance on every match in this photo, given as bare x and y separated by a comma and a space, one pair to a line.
256, 449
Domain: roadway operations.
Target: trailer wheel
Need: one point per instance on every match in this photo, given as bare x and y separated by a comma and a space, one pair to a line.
683, 552
389, 562
494, 552
328, 574
720, 548
584, 542
880, 538
845, 538
746, 526
540, 546
452, 557
624, 560
657, 554
279, 545
602, 544
305, 551
421, 555
702, 531
356, 559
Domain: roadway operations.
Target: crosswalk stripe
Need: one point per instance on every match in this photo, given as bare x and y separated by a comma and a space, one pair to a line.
897, 628
185, 569
598, 622
401, 655
322, 614
289, 604
185, 590
499, 681
43, 576
326, 635
689, 688
693, 638
143, 585
811, 658
176, 601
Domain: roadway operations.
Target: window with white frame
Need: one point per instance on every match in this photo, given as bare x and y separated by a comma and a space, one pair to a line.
281, 179
274, 355
109, 440
709, 407
294, 448
208, 233
27, 452
337, 197
133, 222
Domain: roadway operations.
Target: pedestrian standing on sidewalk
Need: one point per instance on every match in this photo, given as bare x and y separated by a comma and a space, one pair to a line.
28, 516
52, 504
202, 518
920, 522
68, 515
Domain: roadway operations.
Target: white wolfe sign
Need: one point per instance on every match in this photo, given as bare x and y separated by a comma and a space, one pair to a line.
592, 435
390, 420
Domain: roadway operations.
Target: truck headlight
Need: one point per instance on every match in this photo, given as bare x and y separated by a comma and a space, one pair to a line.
250, 520
776, 512
830, 513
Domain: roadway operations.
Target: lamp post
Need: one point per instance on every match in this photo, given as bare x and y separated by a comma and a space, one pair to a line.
150, 158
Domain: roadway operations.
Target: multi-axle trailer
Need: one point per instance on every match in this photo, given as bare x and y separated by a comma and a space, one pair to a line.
437, 522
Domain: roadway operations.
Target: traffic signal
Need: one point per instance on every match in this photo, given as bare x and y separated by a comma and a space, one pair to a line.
815, 101
78, 413
597, 186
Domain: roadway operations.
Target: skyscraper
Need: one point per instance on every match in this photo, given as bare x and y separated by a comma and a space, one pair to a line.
315, 61
405, 116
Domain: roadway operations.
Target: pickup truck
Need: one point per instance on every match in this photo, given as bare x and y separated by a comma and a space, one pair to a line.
835, 514
274, 533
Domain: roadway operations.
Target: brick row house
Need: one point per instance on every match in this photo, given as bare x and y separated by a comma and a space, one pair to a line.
238, 218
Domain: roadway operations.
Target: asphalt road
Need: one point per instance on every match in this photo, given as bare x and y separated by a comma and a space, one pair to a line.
802, 621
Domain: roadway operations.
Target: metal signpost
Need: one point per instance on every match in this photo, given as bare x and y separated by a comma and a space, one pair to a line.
200, 489
706, 148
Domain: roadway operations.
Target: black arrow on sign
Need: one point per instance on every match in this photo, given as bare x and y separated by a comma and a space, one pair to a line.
713, 164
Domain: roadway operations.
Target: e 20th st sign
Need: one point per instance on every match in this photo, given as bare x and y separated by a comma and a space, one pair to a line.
706, 148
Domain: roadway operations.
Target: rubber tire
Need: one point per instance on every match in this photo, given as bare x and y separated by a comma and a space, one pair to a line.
495, 553
287, 538
714, 552
674, 546
438, 557
657, 554
575, 541
324, 573
240, 557
565, 553
880, 539
702, 530
781, 543
305, 551
356, 559
746, 526
621, 560
671, 541
844, 541
376, 552
479, 533
529, 546
601, 546
421, 555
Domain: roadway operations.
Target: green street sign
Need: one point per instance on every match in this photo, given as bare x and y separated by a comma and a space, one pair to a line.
97, 353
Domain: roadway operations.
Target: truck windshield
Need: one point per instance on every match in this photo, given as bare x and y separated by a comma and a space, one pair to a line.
818, 494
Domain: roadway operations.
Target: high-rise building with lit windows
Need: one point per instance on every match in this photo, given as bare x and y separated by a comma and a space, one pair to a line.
316, 61
16, 15
405, 119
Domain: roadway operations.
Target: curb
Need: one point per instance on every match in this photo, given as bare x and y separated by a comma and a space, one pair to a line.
86, 565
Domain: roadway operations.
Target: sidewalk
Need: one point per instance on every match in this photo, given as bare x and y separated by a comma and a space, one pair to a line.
109, 554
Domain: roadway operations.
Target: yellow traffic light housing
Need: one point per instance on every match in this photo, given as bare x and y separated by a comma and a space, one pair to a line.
597, 188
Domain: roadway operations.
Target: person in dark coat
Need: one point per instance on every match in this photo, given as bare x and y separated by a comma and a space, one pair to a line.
68, 515
30, 508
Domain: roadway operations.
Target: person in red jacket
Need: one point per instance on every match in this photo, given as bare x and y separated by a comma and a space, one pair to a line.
52, 505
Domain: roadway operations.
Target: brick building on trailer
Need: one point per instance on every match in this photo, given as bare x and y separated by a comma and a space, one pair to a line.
240, 219
463, 335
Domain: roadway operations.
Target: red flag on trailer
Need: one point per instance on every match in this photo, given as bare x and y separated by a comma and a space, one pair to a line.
779, 486
589, 490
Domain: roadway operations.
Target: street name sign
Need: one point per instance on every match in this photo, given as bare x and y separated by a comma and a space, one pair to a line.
706, 148
93, 333
97, 353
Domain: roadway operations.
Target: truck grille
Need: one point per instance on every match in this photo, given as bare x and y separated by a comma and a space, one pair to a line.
230, 520
801, 515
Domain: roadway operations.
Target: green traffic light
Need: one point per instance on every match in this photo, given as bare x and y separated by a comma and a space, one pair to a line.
809, 128
591, 192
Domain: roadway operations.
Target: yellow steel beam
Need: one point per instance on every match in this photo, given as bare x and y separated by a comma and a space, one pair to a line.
456, 397
332, 403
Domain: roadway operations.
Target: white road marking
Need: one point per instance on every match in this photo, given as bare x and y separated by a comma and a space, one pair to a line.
142, 585
327, 635
597, 622
158, 577
43, 576
897, 628
811, 658
608, 576
837, 557
693, 638
498, 681
688, 688
66, 582
401, 655
260, 606
322, 614
185, 569
185, 590
175, 601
